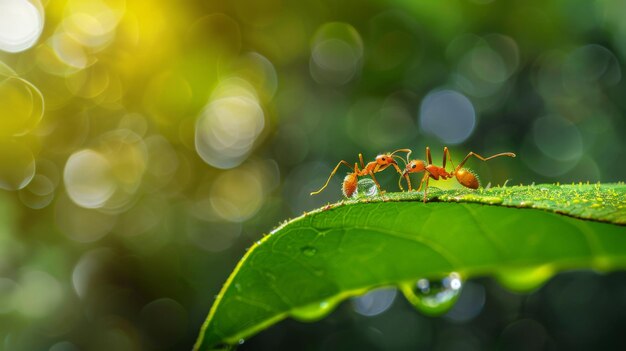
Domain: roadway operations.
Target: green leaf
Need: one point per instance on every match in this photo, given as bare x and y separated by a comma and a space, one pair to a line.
521, 235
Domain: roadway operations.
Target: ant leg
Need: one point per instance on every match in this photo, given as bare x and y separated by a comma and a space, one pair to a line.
426, 189
377, 168
342, 162
408, 181
428, 156
402, 175
446, 156
397, 168
509, 154
380, 168
361, 159
424, 178
399, 172
380, 190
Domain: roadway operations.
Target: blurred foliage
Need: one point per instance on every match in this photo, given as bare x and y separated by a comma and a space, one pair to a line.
145, 145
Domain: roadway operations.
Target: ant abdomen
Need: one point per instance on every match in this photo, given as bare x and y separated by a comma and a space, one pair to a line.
467, 178
349, 184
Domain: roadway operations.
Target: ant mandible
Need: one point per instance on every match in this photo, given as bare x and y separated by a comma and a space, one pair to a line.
464, 176
351, 180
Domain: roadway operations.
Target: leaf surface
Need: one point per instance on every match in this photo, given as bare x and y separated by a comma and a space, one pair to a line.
521, 235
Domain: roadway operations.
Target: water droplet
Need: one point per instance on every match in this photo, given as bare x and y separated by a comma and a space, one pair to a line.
366, 187
241, 341
433, 297
315, 311
374, 302
470, 303
524, 279
308, 251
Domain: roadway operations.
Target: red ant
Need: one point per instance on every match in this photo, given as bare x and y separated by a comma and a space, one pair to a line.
463, 175
350, 181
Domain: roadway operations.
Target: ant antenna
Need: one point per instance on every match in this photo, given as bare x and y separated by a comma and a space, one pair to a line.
408, 152
342, 162
400, 182
399, 158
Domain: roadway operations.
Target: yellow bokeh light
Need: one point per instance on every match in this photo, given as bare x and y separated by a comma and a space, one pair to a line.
22, 106
88, 178
21, 24
229, 125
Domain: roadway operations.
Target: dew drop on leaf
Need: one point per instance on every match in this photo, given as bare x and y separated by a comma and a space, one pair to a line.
315, 311
366, 187
433, 297
308, 251
524, 279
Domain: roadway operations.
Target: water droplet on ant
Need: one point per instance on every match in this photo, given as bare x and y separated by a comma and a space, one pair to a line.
433, 297
366, 187
309, 251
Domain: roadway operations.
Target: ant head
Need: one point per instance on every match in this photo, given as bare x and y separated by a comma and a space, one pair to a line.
385, 159
414, 166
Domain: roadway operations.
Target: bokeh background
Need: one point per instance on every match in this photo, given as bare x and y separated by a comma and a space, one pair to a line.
144, 145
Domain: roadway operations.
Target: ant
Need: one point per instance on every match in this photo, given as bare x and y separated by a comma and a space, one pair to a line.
350, 181
463, 175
